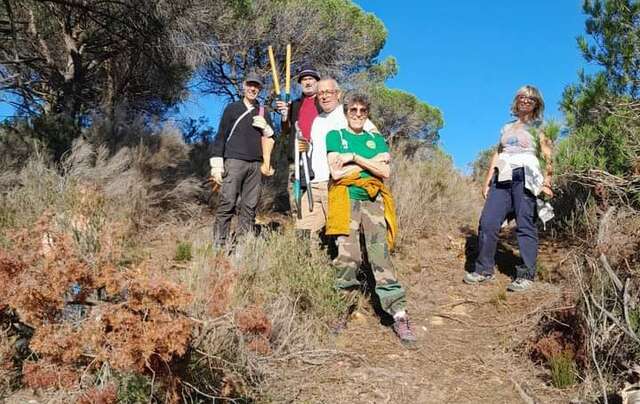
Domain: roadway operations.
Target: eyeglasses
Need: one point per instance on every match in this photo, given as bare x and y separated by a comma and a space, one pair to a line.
353, 111
325, 93
525, 98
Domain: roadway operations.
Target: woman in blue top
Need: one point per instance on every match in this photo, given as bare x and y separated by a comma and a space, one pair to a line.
514, 181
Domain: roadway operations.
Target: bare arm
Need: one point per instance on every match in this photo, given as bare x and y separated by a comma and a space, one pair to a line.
378, 166
489, 176
546, 148
342, 164
338, 168
490, 169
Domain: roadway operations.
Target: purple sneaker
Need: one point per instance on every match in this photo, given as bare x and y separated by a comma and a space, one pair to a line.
403, 330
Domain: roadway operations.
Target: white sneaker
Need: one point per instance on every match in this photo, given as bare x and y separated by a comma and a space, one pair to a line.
519, 285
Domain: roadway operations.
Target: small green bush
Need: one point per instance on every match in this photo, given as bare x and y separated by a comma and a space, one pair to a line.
134, 389
183, 252
563, 370
282, 265
542, 272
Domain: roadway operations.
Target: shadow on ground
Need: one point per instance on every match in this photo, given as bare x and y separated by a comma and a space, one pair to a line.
506, 257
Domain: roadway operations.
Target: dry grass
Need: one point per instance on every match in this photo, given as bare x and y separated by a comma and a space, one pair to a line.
269, 302
432, 197
604, 271
8, 372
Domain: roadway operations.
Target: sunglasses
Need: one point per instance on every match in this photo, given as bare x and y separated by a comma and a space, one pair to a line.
526, 98
353, 111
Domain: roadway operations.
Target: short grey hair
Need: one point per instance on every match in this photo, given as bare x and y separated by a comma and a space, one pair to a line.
332, 80
356, 98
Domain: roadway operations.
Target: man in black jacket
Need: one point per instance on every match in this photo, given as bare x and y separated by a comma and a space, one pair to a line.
236, 160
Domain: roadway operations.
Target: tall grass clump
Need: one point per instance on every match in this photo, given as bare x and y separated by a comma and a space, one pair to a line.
431, 195
271, 300
563, 371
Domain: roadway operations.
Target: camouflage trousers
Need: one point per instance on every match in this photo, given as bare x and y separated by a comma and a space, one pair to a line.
367, 242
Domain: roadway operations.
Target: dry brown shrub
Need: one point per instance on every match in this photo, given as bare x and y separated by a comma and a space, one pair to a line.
10, 268
259, 344
561, 332
59, 343
549, 346
145, 289
100, 395
38, 293
140, 330
74, 242
223, 282
138, 341
253, 320
45, 375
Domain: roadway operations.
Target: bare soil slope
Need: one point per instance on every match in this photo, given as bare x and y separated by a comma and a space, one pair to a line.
473, 340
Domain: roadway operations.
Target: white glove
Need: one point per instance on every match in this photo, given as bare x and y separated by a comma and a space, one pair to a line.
261, 123
267, 131
217, 169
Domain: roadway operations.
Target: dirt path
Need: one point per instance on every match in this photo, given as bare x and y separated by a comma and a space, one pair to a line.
472, 339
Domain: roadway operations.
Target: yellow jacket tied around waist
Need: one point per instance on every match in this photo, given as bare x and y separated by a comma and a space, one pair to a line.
339, 216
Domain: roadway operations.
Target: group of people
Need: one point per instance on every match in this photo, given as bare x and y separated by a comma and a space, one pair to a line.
350, 203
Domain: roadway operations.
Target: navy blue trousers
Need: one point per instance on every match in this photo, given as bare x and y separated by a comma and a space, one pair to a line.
504, 198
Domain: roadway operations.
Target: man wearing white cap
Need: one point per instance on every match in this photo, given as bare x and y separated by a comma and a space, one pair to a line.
236, 160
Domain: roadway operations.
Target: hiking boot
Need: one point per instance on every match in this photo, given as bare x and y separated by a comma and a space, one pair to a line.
519, 285
403, 330
474, 278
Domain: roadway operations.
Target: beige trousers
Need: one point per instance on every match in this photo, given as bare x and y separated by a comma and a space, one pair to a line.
317, 219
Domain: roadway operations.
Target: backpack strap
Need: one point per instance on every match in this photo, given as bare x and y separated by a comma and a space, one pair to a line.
233, 128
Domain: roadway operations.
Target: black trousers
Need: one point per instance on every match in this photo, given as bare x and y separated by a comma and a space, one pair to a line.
240, 191
504, 198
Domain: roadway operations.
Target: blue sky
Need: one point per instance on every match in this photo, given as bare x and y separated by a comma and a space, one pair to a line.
468, 58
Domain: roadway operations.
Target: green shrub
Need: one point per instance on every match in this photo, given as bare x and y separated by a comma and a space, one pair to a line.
563, 370
278, 265
134, 389
542, 272
183, 251
603, 145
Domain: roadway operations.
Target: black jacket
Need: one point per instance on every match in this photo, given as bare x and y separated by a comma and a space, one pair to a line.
245, 141
294, 112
